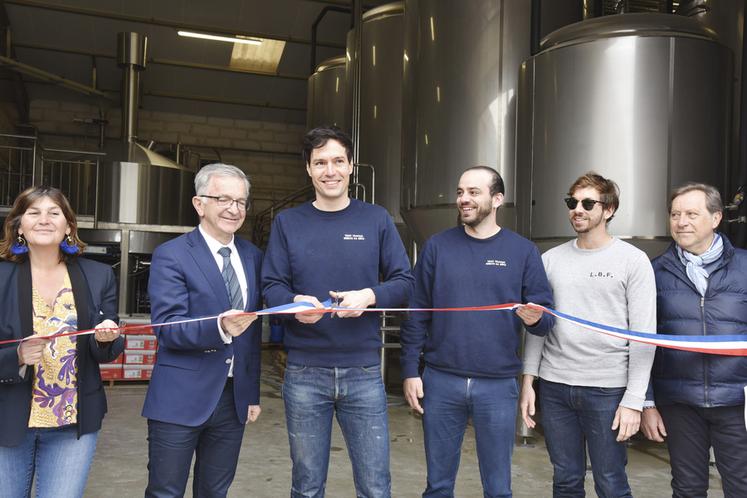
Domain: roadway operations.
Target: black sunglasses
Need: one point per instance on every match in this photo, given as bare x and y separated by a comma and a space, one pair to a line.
588, 204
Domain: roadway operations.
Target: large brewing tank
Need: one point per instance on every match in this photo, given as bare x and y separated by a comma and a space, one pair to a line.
643, 99
380, 112
461, 64
141, 186
327, 91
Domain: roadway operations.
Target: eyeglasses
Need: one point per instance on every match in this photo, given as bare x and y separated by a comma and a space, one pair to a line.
588, 204
227, 202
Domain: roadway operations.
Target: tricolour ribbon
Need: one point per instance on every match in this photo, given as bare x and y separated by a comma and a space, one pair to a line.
732, 345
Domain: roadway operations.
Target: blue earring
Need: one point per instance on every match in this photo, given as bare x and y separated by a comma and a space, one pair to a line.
68, 246
19, 246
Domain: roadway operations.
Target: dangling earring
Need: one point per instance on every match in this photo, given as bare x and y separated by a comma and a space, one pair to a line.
19, 246
68, 246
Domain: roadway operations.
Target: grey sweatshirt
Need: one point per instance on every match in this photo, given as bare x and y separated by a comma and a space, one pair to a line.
615, 286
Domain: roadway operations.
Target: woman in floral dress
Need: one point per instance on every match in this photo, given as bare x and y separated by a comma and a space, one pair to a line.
52, 400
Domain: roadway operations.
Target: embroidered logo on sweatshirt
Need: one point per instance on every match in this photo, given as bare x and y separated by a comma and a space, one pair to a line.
353, 236
496, 262
601, 274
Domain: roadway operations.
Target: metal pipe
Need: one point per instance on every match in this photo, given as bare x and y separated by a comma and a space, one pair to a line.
8, 135
35, 72
216, 100
218, 30
131, 56
94, 75
740, 231
373, 179
196, 146
314, 27
355, 125
535, 32
72, 151
162, 62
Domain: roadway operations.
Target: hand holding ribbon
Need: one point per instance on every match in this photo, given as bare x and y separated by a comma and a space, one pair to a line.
308, 318
30, 350
106, 331
235, 322
358, 300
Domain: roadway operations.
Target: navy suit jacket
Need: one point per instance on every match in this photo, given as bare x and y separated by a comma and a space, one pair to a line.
95, 294
193, 361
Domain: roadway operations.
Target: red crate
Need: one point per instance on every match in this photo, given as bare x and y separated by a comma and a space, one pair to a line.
118, 361
141, 342
136, 328
137, 372
139, 357
111, 372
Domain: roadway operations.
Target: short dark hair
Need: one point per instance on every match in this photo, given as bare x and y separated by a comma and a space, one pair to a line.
496, 181
21, 204
714, 204
319, 136
609, 193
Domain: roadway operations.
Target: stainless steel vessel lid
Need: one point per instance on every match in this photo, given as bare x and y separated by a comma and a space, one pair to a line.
637, 24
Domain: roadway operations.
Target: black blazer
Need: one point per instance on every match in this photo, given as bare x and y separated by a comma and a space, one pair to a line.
95, 294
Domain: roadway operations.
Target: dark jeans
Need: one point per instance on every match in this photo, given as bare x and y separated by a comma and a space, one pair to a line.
691, 431
573, 418
355, 395
216, 444
450, 400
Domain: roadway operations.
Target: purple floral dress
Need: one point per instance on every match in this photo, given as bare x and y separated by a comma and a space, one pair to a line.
54, 401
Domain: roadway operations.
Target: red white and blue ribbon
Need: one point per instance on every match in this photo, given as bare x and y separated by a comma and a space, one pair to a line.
732, 345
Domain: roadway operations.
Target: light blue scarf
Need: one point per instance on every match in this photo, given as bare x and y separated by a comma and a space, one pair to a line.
694, 265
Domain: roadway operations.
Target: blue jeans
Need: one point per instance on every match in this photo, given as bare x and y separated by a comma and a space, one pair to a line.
356, 396
57, 457
450, 400
573, 418
215, 444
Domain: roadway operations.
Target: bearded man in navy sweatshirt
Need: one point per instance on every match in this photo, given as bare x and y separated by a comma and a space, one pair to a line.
472, 358
350, 250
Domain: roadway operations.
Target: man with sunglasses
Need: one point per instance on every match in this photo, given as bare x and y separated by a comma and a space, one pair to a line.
592, 386
472, 357
205, 383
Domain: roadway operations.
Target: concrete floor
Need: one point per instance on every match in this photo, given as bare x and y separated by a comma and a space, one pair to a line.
119, 468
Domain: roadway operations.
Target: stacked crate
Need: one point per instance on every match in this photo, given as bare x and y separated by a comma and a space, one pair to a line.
139, 354
138, 358
112, 370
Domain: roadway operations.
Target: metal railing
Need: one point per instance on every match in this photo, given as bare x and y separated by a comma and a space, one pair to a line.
24, 162
17, 165
263, 219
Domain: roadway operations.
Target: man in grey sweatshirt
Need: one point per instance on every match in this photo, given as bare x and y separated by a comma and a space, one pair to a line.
592, 386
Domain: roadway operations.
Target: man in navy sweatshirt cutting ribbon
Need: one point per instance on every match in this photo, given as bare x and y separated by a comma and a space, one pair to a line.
472, 358
350, 250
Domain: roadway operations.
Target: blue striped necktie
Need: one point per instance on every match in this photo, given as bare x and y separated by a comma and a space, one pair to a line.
231, 280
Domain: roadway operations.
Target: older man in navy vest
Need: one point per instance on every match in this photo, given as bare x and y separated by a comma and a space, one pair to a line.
697, 400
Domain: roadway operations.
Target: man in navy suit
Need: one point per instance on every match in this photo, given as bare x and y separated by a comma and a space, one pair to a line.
205, 383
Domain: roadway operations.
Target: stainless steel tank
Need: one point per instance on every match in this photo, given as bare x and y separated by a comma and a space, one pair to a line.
380, 113
461, 64
146, 194
327, 91
643, 99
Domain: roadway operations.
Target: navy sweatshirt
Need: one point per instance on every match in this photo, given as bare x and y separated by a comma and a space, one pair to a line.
456, 270
313, 252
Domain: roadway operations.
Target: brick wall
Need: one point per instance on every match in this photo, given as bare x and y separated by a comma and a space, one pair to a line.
269, 152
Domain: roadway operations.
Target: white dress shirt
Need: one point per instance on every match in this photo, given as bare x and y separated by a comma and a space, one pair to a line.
214, 245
